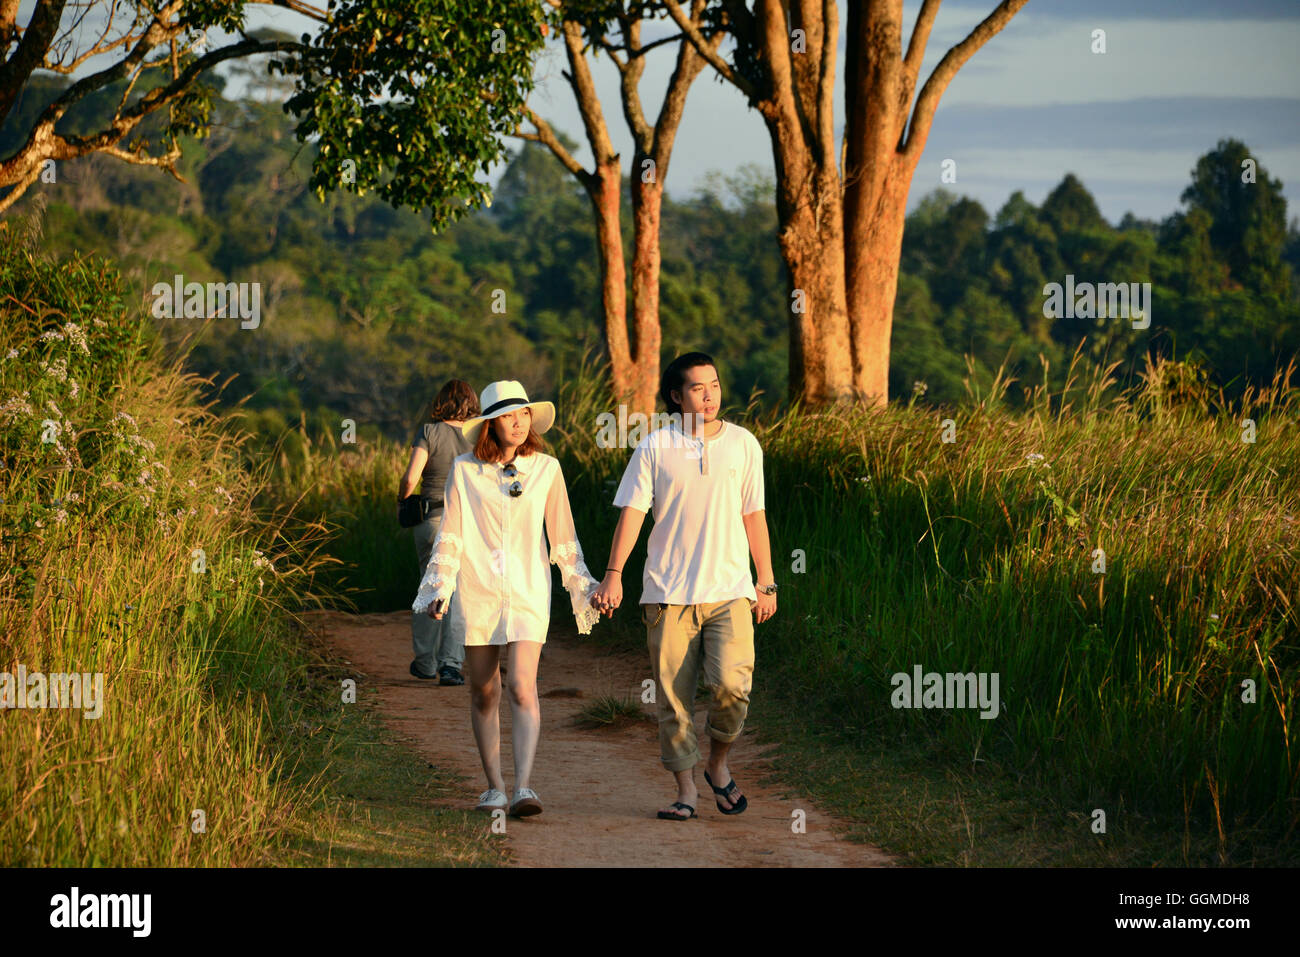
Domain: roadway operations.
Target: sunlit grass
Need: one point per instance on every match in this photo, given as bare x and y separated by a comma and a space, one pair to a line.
130, 547
610, 711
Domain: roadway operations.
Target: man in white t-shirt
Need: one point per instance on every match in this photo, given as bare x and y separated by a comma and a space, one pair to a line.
704, 480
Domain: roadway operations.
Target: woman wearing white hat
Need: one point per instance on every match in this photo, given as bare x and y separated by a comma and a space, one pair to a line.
490, 557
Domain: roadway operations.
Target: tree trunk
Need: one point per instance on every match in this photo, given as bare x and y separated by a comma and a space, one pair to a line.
872, 286
809, 203
813, 249
647, 200
604, 188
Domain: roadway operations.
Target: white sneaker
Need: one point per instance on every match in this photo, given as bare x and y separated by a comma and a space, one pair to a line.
491, 800
525, 803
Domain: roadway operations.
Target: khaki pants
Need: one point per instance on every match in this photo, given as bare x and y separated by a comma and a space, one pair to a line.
681, 637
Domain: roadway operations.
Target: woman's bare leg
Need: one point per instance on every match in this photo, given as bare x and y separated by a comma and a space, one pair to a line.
525, 711
485, 708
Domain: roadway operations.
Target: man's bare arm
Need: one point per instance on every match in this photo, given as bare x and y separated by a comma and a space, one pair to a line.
610, 593
760, 546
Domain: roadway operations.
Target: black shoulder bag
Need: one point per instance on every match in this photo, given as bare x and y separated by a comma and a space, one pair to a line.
414, 509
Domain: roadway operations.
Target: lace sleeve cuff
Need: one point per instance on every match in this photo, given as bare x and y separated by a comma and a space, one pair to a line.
577, 581
440, 577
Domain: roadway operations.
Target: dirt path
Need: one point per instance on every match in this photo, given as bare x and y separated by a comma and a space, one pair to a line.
600, 788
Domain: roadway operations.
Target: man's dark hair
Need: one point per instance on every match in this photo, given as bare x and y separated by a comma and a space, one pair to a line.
674, 377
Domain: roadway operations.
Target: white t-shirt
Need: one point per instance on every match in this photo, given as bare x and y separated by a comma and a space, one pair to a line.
700, 489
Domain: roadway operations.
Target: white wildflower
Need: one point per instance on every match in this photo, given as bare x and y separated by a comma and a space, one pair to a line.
58, 369
77, 337
14, 407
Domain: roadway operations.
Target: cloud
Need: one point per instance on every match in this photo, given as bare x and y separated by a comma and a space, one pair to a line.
1156, 123
1097, 10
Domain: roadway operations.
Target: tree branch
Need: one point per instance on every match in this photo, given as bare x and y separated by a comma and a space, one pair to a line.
826, 80
928, 100
16, 70
689, 65
629, 87
98, 48
546, 136
297, 6
709, 53
19, 188
584, 90
776, 46
612, 50
43, 143
646, 48
920, 37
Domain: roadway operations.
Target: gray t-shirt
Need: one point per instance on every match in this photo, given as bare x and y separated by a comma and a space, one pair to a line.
443, 442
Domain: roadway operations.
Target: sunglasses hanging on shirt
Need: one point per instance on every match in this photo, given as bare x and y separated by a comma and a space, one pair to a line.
516, 489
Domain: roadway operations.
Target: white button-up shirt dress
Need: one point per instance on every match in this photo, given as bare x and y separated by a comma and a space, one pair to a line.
490, 557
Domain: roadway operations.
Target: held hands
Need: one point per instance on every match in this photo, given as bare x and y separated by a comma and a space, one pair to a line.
609, 595
437, 608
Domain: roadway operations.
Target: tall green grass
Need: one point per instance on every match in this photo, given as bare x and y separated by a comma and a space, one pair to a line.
113, 479
348, 492
1120, 690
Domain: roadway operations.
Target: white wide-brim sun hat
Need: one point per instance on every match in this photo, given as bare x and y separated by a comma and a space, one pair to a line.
506, 396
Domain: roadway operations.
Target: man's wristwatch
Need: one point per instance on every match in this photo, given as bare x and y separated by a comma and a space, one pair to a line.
767, 589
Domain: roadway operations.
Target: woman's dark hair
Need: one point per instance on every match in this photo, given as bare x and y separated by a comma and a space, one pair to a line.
488, 449
674, 377
455, 401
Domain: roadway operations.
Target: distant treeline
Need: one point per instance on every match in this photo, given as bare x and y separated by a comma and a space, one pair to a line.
365, 313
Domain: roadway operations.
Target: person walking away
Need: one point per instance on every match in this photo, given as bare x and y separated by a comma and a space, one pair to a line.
438, 645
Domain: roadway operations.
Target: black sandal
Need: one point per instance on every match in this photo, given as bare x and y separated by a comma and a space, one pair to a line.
670, 816
737, 805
